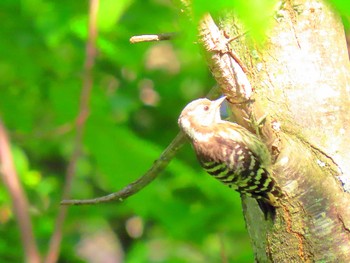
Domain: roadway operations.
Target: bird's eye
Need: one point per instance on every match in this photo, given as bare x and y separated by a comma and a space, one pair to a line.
206, 108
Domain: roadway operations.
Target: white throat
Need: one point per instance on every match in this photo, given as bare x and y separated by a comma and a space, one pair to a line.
194, 134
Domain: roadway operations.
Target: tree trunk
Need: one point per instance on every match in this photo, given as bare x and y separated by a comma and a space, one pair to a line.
299, 79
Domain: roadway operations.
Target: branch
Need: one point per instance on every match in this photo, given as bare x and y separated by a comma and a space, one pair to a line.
227, 69
18, 197
56, 238
230, 73
158, 167
150, 38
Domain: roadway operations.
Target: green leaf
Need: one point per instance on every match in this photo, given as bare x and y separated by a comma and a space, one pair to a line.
110, 12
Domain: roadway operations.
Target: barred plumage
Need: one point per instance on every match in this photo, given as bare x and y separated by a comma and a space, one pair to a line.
229, 152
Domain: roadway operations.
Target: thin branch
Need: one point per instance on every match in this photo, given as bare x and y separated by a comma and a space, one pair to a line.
158, 166
18, 197
151, 38
56, 238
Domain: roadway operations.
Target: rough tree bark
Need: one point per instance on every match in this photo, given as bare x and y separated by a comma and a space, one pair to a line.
300, 81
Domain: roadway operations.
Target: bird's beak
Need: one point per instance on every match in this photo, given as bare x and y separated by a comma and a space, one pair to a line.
217, 103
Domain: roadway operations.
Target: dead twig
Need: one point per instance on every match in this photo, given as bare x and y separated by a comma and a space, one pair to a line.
154, 37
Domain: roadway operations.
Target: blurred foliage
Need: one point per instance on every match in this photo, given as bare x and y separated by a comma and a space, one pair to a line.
342, 7
139, 91
256, 15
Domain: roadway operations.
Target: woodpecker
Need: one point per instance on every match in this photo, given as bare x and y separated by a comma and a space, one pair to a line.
229, 152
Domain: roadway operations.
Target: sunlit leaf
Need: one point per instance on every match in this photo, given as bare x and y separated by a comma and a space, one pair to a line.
109, 13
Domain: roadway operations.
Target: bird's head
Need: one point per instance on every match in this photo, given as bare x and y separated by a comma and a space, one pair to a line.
199, 115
